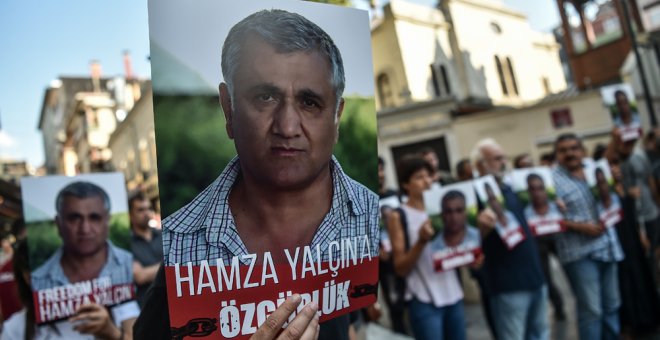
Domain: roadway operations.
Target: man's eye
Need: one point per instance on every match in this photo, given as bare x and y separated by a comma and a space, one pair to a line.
310, 103
266, 97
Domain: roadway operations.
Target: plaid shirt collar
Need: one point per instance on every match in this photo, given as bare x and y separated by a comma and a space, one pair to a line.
216, 217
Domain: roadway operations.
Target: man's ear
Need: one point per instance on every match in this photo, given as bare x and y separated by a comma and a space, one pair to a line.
340, 110
225, 103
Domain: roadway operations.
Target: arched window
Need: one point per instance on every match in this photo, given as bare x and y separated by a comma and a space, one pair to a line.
436, 81
512, 76
500, 74
385, 90
440, 80
445, 79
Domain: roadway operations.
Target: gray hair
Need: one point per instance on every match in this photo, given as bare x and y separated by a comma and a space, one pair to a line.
476, 155
81, 190
286, 32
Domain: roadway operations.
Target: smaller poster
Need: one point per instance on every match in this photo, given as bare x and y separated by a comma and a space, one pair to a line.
536, 190
506, 224
457, 242
78, 241
620, 101
600, 180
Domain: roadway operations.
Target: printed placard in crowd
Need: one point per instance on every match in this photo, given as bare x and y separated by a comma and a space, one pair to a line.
536, 190
452, 208
619, 99
275, 189
599, 178
78, 237
506, 224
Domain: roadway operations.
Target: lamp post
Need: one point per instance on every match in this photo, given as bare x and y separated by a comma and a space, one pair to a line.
640, 65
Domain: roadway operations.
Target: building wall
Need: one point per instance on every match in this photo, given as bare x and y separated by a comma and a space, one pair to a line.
133, 147
430, 45
545, 52
530, 130
387, 60
474, 22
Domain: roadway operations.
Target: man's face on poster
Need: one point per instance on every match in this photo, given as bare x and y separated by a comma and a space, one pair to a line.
536, 190
623, 105
285, 116
454, 217
83, 225
601, 183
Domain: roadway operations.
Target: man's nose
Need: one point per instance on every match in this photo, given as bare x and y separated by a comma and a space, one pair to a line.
286, 120
85, 226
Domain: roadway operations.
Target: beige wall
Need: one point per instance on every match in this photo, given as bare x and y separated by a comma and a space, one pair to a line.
387, 59
473, 23
133, 144
411, 37
530, 130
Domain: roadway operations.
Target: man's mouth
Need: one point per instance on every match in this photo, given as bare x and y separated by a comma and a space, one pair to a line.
286, 151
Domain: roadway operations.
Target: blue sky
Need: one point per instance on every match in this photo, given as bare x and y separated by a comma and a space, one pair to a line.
42, 41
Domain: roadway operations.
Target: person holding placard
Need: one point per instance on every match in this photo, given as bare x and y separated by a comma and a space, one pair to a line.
87, 258
513, 278
435, 298
588, 252
545, 218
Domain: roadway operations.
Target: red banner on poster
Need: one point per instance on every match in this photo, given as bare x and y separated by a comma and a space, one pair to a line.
546, 226
231, 300
61, 302
450, 260
609, 218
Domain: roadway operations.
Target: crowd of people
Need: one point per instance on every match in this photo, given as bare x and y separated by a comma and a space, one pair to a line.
611, 265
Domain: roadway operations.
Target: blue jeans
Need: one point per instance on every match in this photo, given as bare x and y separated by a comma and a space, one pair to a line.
521, 314
430, 322
596, 288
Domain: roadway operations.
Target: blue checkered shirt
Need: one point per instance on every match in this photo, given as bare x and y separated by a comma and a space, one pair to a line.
205, 229
581, 207
119, 267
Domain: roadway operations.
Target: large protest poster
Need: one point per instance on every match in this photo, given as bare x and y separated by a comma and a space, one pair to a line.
453, 211
506, 224
536, 190
212, 145
71, 220
600, 180
619, 99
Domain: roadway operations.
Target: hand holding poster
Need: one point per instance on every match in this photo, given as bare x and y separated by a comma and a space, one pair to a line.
506, 224
458, 243
77, 235
599, 177
536, 190
287, 214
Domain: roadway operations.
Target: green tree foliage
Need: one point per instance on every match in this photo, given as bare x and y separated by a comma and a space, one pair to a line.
193, 146
356, 149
